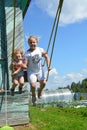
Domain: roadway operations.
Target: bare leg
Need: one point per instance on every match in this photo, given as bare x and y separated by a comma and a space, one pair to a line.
21, 83
42, 85
12, 89
20, 88
15, 83
33, 87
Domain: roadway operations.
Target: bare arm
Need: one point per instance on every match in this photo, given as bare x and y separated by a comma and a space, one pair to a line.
17, 71
45, 55
24, 64
22, 67
12, 65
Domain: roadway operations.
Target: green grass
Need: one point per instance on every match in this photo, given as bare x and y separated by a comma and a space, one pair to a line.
55, 118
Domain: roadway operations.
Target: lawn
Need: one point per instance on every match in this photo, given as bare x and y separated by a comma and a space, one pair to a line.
56, 118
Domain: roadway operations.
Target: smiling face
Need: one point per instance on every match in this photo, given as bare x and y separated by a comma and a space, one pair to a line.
32, 41
18, 57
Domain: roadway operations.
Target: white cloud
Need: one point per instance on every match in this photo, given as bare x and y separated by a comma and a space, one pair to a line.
72, 10
56, 81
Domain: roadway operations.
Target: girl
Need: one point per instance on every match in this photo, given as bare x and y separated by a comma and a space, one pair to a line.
33, 58
17, 71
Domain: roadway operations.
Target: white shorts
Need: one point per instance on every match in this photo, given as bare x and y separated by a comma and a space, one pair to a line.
33, 77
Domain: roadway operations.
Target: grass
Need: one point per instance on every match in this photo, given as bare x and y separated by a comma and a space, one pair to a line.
55, 118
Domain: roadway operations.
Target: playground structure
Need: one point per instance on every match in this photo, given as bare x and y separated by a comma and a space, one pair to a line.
13, 110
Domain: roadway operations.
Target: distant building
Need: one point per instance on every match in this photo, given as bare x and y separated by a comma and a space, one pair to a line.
59, 95
80, 96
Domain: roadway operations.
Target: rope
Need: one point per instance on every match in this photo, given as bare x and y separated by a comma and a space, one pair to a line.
14, 30
56, 21
13, 45
6, 97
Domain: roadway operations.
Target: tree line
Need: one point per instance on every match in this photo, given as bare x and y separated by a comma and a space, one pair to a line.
78, 87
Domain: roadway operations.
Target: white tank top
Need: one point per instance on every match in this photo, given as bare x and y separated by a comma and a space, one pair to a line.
34, 59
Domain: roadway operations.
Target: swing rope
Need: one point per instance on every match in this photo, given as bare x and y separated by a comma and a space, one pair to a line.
13, 45
6, 127
6, 97
56, 21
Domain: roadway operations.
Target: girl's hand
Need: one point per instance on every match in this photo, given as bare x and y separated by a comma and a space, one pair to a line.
49, 68
14, 73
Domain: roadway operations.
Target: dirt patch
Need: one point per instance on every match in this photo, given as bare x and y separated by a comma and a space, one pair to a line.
25, 127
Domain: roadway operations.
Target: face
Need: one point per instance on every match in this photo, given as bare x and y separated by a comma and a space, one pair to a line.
32, 43
17, 56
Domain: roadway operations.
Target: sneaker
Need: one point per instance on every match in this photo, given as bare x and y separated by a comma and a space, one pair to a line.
39, 93
34, 100
20, 90
12, 92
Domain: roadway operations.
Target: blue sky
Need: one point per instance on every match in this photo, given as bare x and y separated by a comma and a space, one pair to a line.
69, 61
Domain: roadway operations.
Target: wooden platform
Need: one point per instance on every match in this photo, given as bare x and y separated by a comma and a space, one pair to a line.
17, 108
